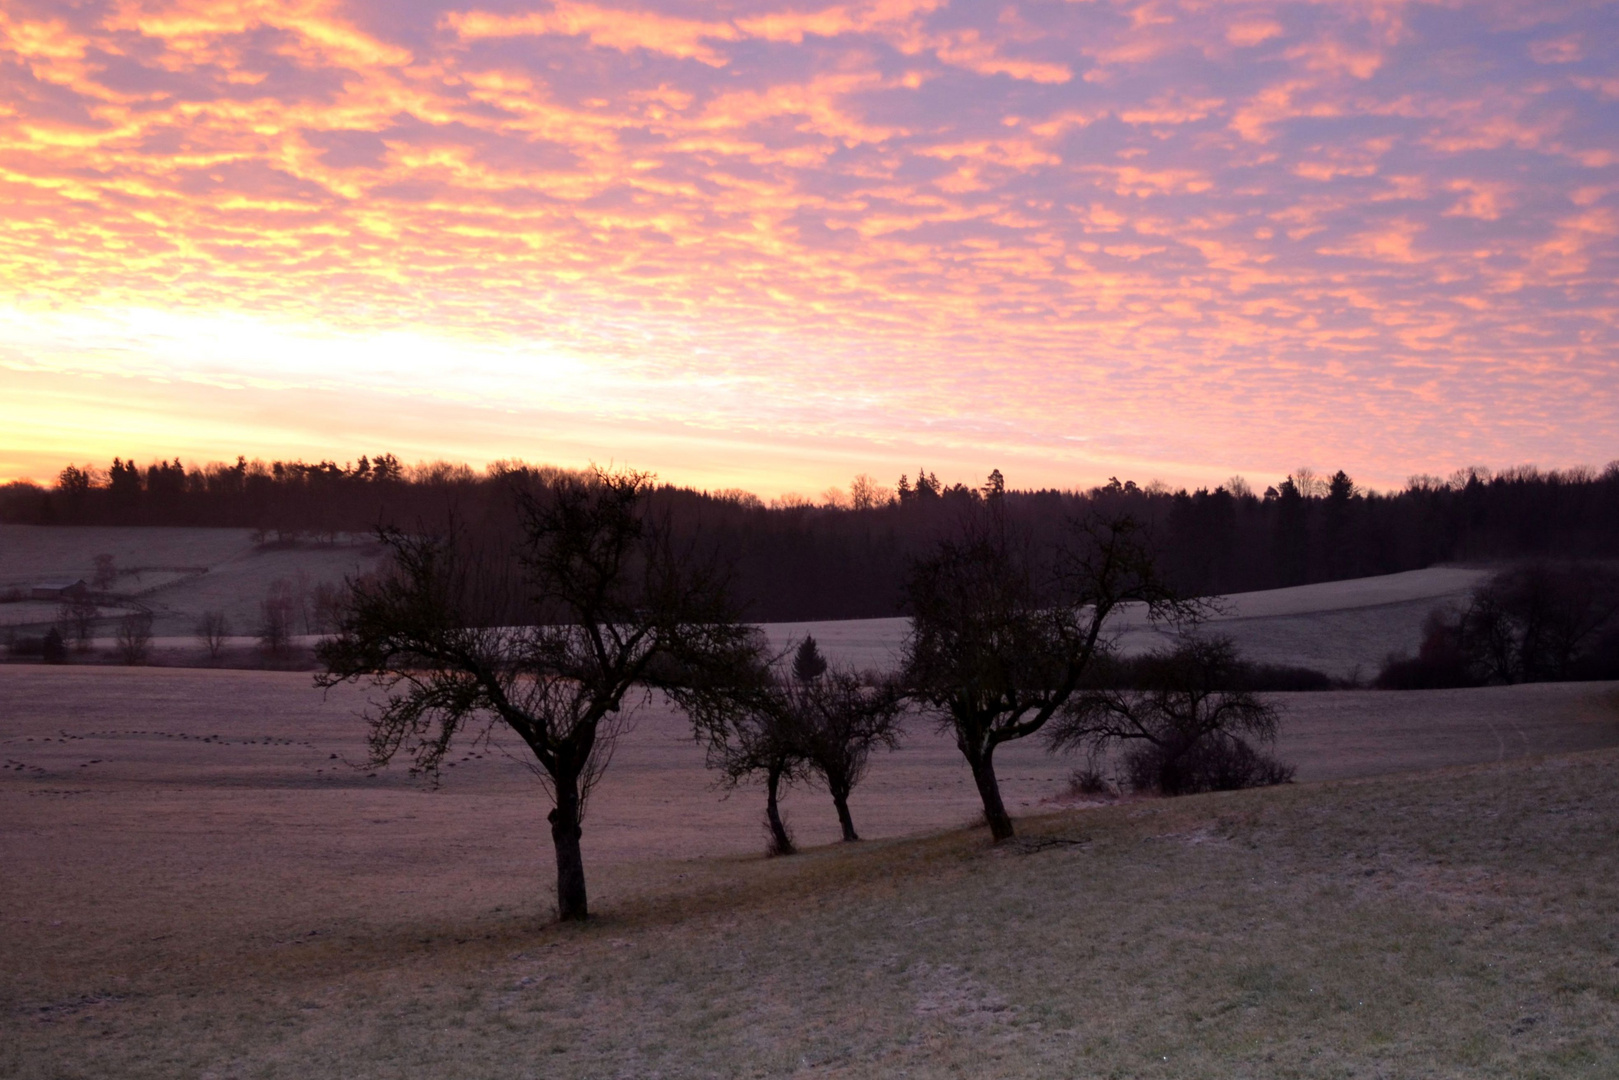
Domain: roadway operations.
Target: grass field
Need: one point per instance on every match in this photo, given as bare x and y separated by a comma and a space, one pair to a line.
194, 886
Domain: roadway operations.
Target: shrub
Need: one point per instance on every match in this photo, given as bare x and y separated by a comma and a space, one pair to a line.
134, 640
1182, 728
1441, 662
1137, 672
212, 630
1216, 763
1089, 780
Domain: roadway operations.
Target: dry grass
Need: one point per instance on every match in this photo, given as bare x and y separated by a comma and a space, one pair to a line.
200, 901
1462, 926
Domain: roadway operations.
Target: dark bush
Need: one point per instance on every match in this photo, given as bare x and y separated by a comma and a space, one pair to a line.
1143, 671
1089, 781
1181, 728
1441, 662
1225, 763
25, 645
1282, 678
52, 649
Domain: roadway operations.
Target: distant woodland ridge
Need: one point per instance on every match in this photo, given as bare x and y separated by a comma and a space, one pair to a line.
845, 555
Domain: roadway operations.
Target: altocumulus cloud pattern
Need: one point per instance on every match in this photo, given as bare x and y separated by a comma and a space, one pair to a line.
1160, 232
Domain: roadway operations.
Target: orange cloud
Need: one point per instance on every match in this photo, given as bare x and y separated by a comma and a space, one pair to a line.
780, 219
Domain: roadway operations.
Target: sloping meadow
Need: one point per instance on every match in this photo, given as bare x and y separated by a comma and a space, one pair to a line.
1454, 923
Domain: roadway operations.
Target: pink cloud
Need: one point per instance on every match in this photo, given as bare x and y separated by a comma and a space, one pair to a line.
1162, 225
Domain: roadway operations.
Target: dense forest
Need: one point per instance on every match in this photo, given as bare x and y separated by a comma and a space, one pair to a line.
845, 556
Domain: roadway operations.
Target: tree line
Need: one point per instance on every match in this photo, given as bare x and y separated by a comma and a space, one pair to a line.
844, 554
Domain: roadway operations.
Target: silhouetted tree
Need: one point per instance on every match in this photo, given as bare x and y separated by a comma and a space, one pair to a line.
837, 719
53, 650
1185, 729
999, 642
80, 614
134, 637
276, 615
1533, 622
611, 607
748, 730
106, 573
808, 663
212, 631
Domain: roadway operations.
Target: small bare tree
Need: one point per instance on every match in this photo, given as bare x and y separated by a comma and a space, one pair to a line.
213, 629
276, 614
80, 614
613, 608
1185, 728
839, 718
787, 725
106, 573
326, 607
134, 638
1001, 638
748, 731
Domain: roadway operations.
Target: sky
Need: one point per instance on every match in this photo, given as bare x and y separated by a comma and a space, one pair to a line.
774, 244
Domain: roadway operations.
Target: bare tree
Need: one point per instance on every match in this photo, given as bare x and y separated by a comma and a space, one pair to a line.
786, 725
1000, 639
866, 494
839, 718
326, 607
106, 573
80, 614
212, 631
1535, 621
612, 610
1185, 728
134, 639
748, 731
276, 614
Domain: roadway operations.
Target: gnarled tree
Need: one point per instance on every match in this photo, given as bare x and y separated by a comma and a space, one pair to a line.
558, 628
786, 725
748, 731
1002, 635
838, 718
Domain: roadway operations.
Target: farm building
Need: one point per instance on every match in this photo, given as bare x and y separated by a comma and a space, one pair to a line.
59, 590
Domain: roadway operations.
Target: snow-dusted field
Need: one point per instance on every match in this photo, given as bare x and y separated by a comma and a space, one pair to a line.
175, 573
1338, 627
110, 744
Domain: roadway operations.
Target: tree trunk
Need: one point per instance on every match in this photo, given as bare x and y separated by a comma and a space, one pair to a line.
565, 834
780, 842
840, 799
989, 790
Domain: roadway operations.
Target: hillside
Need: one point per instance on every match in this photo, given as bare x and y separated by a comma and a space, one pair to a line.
1339, 627
1449, 922
175, 573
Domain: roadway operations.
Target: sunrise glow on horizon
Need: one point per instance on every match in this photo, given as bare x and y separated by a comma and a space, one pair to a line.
773, 244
